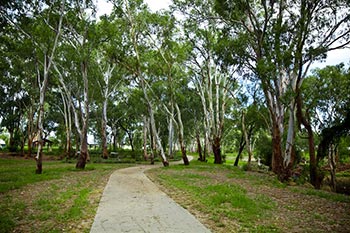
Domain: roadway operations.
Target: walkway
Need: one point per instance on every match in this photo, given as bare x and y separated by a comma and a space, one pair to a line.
133, 203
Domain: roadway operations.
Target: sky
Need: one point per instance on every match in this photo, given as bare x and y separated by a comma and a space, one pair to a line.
155, 5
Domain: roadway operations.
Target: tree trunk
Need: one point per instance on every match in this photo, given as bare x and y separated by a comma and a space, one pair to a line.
199, 148
171, 135
217, 151
181, 136
30, 129
247, 141
131, 141
277, 158
103, 130
315, 177
240, 150
145, 123
332, 167
153, 143
84, 153
288, 158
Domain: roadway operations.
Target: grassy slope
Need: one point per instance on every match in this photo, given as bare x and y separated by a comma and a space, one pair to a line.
61, 199
227, 199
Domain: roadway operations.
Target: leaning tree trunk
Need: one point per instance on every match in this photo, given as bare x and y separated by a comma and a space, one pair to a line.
181, 136
242, 143
199, 148
332, 167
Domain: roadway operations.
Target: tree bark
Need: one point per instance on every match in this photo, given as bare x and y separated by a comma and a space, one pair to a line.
277, 158
315, 177
242, 143
145, 123
84, 152
332, 167
199, 148
247, 141
103, 130
217, 151
48, 59
181, 136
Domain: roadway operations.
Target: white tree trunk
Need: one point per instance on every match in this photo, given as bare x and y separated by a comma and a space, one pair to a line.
48, 59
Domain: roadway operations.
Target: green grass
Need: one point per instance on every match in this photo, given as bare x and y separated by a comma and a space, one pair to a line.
219, 199
60, 198
323, 194
233, 200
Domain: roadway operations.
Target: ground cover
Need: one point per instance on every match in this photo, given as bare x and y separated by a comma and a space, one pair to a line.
227, 199
62, 199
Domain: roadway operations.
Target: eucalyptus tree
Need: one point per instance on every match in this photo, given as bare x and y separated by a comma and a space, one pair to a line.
213, 80
277, 41
44, 31
76, 67
131, 18
324, 104
170, 52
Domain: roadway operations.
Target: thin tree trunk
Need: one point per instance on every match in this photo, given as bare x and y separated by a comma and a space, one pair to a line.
199, 148
43, 87
181, 136
143, 84
332, 167
247, 141
171, 135
103, 130
315, 178
145, 123
242, 143
30, 131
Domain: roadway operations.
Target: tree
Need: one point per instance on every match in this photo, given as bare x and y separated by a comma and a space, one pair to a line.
278, 45
321, 108
213, 79
133, 23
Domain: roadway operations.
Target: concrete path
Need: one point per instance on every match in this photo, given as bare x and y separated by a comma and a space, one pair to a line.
132, 203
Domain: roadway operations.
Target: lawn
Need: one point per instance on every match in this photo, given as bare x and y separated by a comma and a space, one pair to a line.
62, 199
227, 199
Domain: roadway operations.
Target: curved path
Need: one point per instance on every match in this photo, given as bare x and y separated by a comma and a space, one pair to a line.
133, 203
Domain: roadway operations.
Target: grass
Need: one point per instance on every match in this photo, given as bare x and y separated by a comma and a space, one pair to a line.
228, 199
221, 200
60, 199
